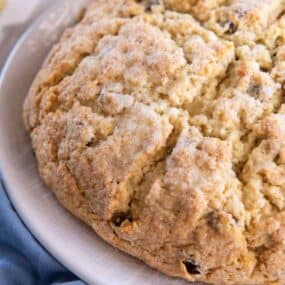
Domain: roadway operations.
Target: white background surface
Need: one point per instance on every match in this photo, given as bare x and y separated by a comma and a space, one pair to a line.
18, 11
14, 19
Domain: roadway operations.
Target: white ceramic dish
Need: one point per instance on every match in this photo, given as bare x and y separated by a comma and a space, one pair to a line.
70, 241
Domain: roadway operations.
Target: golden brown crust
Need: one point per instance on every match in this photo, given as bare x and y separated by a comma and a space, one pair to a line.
167, 137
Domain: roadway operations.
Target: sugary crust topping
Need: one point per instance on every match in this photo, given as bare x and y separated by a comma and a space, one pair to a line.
242, 21
161, 124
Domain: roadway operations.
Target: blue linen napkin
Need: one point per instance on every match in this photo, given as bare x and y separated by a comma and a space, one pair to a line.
22, 259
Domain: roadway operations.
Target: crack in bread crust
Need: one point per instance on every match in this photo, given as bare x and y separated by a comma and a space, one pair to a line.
166, 134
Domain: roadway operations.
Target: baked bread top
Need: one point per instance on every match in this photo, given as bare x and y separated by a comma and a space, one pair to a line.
161, 124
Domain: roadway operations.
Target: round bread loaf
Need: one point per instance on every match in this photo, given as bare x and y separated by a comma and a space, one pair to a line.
161, 124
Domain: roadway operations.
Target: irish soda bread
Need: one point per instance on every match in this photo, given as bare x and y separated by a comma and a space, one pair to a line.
161, 124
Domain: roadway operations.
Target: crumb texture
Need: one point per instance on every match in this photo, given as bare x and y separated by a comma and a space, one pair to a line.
161, 124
